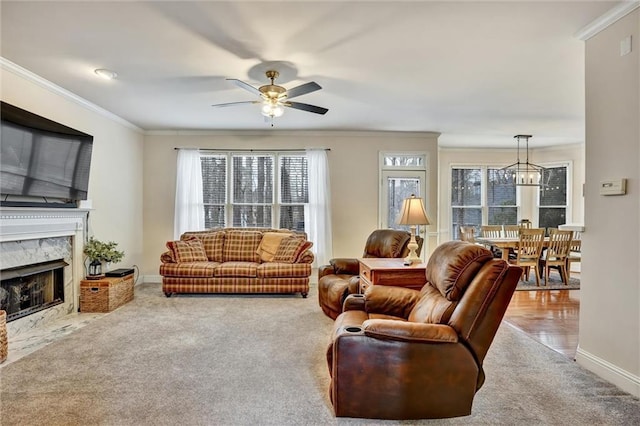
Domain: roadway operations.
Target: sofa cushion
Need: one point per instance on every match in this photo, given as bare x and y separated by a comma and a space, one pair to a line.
188, 269
241, 246
269, 244
188, 250
236, 269
453, 265
290, 249
283, 270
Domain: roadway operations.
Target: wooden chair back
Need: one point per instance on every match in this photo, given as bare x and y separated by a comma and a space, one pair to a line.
512, 231
559, 244
491, 231
467, 233
530, 245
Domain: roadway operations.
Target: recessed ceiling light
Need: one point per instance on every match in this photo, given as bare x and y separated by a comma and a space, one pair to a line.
106, 74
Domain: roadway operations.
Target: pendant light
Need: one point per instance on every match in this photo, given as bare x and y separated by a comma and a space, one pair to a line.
525, 174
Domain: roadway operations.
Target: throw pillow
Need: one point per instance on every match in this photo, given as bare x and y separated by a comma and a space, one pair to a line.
290, 249
213, 244
188, 250
269, 245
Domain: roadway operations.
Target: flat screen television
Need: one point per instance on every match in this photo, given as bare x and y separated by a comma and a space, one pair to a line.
41, 162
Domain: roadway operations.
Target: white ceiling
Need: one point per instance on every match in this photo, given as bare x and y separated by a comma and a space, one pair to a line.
478, 72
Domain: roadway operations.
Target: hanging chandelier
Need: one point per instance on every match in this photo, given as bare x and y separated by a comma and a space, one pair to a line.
525, 174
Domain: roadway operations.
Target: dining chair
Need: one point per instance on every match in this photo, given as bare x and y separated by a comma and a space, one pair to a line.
556, 254
467, 233
529, 251
512, 231
491, 232
574, 251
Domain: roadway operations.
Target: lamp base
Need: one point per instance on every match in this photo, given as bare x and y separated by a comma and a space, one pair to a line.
412, 246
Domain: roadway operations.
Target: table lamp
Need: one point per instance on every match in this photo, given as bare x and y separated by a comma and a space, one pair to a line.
413, 214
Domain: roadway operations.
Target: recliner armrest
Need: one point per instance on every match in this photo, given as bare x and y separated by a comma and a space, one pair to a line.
409, 331
345, 266
353, 302
390, 300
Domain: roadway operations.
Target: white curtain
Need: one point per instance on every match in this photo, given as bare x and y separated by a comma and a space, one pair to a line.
319, 223
189, 212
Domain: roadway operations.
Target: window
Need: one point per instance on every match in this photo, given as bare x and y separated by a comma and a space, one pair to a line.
502, 208
466, 199
552, 200
482, 195
294, 191
255, 190
214, 192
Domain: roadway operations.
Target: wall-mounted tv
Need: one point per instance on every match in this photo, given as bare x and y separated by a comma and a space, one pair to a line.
41, 161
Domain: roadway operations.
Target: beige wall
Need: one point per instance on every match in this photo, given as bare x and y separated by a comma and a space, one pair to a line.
115, 182
572, 154
610, 294
353, 167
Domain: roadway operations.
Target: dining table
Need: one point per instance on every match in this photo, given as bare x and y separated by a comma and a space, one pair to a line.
506, 244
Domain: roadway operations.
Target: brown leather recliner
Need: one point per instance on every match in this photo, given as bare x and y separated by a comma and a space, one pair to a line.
398, 353
340, 278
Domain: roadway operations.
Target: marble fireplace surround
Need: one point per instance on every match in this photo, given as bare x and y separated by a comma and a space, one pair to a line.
32, 234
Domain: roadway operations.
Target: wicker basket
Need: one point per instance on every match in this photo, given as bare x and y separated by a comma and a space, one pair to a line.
106, 294
4, 344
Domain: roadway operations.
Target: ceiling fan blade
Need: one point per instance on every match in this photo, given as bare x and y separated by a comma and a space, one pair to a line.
303, 89
246, 86
234, 103
306, 107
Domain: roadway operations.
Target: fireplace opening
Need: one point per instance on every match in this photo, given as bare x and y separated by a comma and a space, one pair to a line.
28, 289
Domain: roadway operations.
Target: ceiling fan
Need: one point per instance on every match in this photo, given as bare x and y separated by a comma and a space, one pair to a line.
274, 97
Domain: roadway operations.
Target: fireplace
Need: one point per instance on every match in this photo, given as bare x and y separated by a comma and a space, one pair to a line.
28, 289
46, 242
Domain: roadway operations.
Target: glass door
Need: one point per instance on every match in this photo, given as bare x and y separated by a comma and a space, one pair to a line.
396, 186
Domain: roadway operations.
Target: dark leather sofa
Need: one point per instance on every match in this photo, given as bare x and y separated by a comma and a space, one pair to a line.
398, 353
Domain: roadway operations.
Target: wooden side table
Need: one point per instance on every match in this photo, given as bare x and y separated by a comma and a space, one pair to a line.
382, 271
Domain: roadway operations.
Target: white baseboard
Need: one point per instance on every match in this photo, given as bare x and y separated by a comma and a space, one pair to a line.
623, 379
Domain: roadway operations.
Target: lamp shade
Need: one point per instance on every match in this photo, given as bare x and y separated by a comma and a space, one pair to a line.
413, 212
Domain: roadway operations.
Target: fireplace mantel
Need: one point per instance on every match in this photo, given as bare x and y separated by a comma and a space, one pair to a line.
29, 223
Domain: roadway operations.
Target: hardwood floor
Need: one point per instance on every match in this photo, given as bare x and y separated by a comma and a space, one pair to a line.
549, 316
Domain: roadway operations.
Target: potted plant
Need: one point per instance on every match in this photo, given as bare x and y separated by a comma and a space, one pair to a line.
99, 252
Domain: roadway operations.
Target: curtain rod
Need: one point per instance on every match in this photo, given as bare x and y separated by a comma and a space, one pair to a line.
249, 150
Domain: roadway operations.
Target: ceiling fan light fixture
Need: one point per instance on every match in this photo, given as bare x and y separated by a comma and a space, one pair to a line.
272, 109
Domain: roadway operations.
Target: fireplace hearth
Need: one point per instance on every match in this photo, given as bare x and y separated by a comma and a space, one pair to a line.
29, 289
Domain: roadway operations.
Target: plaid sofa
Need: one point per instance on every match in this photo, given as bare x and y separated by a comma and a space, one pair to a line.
237, 260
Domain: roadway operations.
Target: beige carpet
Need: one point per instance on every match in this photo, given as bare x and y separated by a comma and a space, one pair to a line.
259, 360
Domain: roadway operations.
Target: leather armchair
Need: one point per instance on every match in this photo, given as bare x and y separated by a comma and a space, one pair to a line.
398, 353
340, 278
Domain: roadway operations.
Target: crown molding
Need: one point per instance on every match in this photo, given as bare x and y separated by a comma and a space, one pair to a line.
7, 65
294, 133
608, 18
